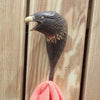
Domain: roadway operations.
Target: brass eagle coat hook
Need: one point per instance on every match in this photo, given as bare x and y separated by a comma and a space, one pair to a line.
54, 28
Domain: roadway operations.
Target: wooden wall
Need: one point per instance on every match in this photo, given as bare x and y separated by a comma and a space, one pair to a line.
91, 88
12, 44
69, 66
24, 62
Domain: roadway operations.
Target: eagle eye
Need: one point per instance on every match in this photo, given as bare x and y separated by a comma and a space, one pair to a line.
42, 17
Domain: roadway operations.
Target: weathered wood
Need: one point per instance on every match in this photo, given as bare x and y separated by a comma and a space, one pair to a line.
12, 37
91, 89
68, 69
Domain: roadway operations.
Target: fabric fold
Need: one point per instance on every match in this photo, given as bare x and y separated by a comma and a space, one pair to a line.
47, 91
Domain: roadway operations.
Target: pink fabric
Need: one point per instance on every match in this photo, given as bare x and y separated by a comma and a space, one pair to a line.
47, 91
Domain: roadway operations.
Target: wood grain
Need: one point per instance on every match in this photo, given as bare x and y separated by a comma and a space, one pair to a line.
12, 38
91, 89
68, 69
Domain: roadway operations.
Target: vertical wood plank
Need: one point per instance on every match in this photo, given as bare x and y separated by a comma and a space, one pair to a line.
68, 69
91, 88
12, 38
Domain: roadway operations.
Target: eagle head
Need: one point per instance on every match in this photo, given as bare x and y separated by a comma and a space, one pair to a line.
50, 23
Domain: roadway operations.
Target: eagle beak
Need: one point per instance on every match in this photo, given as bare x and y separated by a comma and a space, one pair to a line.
29, 19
